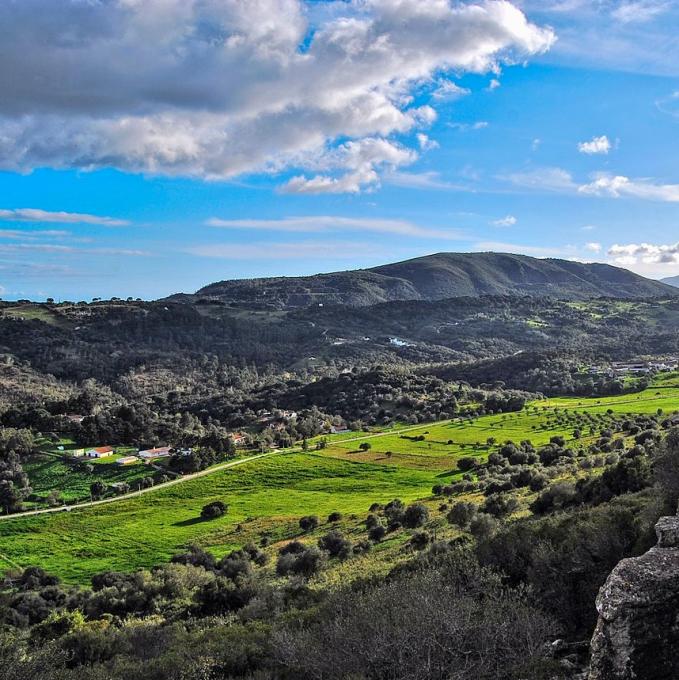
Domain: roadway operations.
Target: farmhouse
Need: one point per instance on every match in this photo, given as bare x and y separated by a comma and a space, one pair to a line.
76, 453
158, 452
238, 438
100, 452
75, 417
127, 460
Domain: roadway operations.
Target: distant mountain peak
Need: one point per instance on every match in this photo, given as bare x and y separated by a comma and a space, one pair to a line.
440, 276
671, 281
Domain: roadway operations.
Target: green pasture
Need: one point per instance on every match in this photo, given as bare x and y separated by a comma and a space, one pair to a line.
269, 494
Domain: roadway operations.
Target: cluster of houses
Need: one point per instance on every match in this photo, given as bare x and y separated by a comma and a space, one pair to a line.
622, 368
145, 456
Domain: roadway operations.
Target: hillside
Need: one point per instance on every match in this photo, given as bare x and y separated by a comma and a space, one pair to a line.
671, 281
440, 276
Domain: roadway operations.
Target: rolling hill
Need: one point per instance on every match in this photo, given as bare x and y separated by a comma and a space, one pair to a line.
437, 277
671, 281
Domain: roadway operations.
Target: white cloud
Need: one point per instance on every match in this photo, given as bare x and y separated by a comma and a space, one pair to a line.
494, 84
325, 223
601, 184
425, 142
362, 159
423, 180
640, 11
596, 145
646, 253
593, 247
617, 186
508, 221
448, 90
549, 179
477, 125
36, 215
218, 88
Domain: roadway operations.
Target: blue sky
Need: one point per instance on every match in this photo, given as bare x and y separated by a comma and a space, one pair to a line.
154, 147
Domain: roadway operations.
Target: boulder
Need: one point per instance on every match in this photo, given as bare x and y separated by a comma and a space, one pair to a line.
637, 635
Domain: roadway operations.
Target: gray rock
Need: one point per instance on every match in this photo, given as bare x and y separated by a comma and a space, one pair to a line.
637, 635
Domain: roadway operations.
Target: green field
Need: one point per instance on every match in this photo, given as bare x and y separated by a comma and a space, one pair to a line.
268, 496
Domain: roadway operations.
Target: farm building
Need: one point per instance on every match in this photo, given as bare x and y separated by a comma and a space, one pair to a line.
76, 453
238, 438
127, 460
100, 452
158, 452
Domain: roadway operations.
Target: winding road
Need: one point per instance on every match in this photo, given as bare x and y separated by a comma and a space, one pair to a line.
193, 475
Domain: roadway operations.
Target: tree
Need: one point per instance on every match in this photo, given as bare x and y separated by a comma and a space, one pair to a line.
415, 515
97, 489
462, 513
11, 496
466, 464
365, 446
214, 510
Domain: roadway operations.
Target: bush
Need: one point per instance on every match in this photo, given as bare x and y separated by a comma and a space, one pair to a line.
335, 544
377, 533
500, 505
462, 513
420, 540
365, 446
334, 517
214, 510
308, 523
483, 526
415, 515
306, 563
467, 463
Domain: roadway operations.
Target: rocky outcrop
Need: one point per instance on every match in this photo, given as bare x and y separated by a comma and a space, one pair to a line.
637, 635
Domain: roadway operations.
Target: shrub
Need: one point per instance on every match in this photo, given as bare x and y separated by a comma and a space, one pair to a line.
420, 540
500, 505
466, 463
377, 533
334, 517
214, 510
462, 513
335, 544
415, 515
308, 523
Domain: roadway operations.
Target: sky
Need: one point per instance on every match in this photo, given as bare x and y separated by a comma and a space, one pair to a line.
154, 146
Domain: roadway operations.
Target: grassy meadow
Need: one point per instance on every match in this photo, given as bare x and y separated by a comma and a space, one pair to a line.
266, 497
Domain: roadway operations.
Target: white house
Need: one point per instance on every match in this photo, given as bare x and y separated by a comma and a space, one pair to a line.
100, 452
158, 452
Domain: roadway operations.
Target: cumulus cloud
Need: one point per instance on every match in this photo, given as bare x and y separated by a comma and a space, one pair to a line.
618, 186
646, 253
218, 88
37, 215
323, 223
593, 247
596, 145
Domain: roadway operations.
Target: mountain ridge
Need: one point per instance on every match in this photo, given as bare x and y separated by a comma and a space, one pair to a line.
436, 277
671, 281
